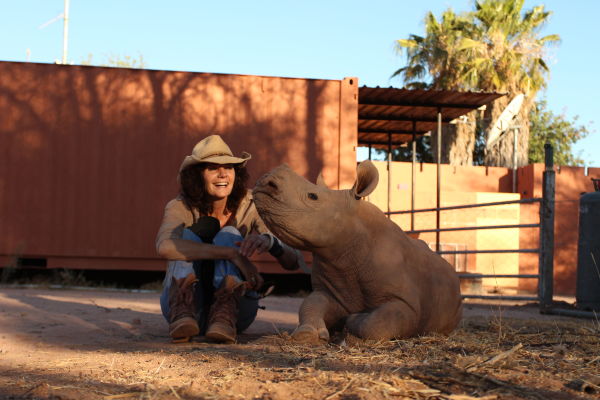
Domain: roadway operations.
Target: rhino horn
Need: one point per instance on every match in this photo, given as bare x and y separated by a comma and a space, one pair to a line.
367, 178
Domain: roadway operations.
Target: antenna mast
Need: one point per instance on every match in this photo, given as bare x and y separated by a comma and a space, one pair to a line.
65, 32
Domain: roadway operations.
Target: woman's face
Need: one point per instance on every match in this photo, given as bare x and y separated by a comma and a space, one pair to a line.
218, 180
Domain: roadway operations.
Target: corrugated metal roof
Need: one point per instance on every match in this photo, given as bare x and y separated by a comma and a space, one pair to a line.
400, 112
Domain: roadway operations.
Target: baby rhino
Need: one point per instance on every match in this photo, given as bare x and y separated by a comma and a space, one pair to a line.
368, 275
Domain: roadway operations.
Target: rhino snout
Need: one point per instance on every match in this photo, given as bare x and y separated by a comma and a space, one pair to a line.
268, 185
272, 184
267, 182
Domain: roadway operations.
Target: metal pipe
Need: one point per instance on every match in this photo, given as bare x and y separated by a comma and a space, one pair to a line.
439, 179
65, 32
477, 276
413, 178
514, 171
472, 228
496, 203
474, 296
489, 251
389, 173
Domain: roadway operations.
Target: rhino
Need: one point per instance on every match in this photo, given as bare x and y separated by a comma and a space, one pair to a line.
369, 278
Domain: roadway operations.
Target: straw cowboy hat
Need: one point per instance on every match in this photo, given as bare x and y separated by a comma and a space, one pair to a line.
213, 149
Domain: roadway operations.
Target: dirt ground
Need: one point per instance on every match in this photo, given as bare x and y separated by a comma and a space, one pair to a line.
100, 344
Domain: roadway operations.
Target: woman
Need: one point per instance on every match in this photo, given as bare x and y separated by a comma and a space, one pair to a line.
208, 232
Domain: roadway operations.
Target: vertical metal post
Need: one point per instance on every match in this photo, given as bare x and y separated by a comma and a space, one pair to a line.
65, 32
389, 171
514, 163
413, 179
546, 280
370, 146
439, 179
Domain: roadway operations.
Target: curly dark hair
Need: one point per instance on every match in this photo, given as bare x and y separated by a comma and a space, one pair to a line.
192, 189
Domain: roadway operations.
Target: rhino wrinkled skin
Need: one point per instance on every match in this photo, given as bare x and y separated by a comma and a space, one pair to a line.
368, 276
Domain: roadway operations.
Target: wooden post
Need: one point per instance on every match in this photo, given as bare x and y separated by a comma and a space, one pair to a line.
546, 267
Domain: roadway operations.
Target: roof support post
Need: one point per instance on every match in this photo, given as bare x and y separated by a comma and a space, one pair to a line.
389, 173
439, 179
370, 148
514, 163
412, 180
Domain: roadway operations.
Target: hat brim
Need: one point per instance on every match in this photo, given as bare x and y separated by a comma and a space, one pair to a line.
221, 159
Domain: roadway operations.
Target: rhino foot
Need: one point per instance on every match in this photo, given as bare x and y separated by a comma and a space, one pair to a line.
309, 334
355, 322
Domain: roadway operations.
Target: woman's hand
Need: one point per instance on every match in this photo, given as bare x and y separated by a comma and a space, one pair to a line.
254, 242
249, 271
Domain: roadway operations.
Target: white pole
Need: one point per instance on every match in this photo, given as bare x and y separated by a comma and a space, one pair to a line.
65, 32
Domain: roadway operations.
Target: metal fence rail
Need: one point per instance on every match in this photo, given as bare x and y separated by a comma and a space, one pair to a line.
545, 250
488, 251
470, 228
476, 276
472, 276
495, 203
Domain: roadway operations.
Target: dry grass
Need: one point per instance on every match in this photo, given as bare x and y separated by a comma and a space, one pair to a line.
498, 358
485, 358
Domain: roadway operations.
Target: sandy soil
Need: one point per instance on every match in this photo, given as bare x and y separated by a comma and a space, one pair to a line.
93, 344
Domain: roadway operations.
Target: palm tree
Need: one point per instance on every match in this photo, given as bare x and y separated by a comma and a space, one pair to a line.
437, 56
494, 48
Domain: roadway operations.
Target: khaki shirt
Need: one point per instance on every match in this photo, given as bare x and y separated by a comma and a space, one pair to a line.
246, 220
177, 217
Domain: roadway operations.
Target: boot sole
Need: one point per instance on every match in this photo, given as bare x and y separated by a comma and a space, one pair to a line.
220, 337
184, 328
217, 333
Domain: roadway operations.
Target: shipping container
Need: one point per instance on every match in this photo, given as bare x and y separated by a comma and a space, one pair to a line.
89, 155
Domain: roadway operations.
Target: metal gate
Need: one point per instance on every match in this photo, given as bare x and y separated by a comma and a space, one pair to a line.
545, 249
465, 276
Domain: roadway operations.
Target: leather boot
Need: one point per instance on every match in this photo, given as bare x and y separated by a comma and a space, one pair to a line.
222, 317
182, 309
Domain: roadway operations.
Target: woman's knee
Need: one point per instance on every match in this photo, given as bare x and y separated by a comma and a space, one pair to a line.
189, 235
228, 236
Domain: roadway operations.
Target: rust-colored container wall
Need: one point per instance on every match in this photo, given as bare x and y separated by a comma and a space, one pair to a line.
89, 156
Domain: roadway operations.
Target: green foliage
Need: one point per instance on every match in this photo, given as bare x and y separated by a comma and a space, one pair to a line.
423, 153
117, 61
562, 134
495, 47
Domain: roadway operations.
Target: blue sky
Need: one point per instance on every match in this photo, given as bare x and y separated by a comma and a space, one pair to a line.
326, 39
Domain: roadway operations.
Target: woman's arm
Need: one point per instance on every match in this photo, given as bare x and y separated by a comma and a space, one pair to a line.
170, 245
288, 257
181, 249
188, 250
291, 259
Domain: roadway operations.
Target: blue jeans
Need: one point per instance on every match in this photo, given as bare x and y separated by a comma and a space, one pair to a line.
248, 305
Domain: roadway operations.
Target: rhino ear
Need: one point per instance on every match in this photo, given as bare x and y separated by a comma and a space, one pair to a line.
367, 178
321, 181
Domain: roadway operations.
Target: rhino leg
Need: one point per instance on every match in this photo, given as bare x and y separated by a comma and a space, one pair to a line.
394, 319
314, 310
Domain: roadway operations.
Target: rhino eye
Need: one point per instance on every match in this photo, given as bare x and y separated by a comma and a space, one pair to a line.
313, 196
